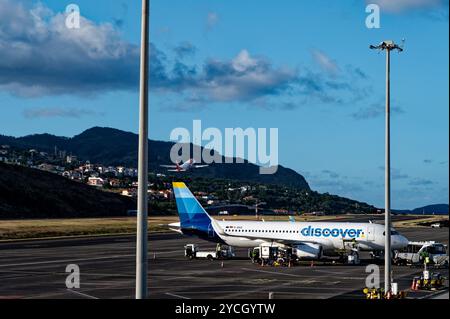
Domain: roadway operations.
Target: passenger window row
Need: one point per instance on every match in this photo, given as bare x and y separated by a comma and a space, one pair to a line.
263, 231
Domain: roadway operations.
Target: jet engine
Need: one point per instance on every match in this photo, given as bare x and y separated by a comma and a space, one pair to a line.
307, 251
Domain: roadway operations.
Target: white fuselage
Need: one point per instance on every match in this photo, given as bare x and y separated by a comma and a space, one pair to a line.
187, 165
329, 235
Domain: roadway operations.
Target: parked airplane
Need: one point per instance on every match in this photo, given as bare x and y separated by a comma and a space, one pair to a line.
312, 238
186, 166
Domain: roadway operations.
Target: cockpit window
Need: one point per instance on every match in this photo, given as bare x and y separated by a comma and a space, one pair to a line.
393, 233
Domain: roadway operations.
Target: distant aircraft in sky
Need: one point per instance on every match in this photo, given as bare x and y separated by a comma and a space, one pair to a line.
186, 166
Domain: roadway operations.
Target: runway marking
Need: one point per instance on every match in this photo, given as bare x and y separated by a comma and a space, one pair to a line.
65, 261
81, 294
240, 292
436, 293
294, 275
158, 252
340, 274
334, 272
274, 273
176, 296
234, 293
284, 286
29, 272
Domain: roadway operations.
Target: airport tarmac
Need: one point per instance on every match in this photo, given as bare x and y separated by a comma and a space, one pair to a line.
36, 269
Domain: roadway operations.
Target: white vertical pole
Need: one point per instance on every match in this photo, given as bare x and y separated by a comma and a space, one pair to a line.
142, 219
387, 204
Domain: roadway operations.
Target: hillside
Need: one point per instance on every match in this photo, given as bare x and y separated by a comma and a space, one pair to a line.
115, 147
27, 193
30, 193
438, 209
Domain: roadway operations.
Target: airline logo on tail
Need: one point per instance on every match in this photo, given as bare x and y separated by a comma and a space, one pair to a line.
192, 215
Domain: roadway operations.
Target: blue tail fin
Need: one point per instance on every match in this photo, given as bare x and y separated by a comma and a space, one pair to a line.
193, 216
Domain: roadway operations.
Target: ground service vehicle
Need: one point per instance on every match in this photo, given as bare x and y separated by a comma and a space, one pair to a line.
417, 252
192, 251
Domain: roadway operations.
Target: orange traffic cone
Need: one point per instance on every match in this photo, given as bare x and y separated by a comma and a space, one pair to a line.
413, 284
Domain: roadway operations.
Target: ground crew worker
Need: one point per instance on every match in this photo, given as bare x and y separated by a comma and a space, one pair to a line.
219, 250
253, 255
424, 255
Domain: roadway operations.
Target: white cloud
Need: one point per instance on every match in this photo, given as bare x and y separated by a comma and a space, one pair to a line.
243, 78
39, 55
46, 112
396, 6
325, 62
243, 61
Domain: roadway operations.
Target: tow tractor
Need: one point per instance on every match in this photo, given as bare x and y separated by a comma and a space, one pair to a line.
267, 254
264, 254
349, 253
192, 251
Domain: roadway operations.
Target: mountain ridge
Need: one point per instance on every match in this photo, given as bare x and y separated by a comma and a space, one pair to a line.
110, 146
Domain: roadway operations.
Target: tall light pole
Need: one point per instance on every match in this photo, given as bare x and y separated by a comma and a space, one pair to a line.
388, 46
257, 204
142, 218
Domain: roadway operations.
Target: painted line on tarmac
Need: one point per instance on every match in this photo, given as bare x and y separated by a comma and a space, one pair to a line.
176, 296
274, 273
81, 294
65, 261
334, 272
227, 293
285, 286
181, 252
435, 295
294, 275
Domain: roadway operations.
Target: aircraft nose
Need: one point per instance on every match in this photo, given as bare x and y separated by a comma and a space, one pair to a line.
403, 241
399, 242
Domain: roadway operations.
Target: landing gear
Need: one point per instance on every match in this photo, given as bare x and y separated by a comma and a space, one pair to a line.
353, 257
378, 257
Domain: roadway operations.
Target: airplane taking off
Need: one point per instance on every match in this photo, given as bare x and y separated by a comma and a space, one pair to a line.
311, 238
186, 166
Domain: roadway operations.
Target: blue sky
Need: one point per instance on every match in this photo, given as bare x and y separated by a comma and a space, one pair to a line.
303, 67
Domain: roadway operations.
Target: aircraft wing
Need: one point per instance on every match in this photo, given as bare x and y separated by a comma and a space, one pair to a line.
201, 166
176, 170
168, 166
286, 242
